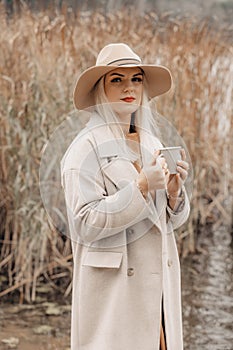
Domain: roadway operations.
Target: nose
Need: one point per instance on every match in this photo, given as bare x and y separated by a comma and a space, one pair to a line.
128, 86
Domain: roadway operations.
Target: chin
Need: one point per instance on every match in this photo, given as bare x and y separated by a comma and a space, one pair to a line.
122, 108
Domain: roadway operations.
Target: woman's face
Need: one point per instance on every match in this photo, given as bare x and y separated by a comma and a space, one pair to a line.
123, 88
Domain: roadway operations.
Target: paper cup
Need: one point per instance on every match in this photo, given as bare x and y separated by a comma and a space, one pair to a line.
172, 155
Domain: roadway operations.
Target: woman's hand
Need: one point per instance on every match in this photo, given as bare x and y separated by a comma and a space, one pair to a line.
175, 181
152, 177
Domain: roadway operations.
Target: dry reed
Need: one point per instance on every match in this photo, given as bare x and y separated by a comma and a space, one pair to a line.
40, 56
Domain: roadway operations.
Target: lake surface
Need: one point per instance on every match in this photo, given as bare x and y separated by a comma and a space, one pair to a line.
208, 294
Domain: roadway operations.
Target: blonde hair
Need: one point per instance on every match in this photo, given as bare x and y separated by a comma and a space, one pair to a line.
144, 120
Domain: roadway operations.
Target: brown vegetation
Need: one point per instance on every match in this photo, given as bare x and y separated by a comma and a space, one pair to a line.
39, 57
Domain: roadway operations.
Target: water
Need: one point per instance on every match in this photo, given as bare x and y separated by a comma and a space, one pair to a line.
207, 287
208, 295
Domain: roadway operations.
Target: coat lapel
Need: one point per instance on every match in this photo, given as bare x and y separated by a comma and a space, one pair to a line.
119, 169
115, 165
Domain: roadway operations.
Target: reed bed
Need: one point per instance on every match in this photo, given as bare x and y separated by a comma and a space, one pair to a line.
39, 57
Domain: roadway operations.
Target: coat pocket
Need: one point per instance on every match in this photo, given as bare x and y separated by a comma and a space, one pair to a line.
103, 259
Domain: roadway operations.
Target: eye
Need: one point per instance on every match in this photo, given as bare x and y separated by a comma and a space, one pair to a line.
137, 79
116, 80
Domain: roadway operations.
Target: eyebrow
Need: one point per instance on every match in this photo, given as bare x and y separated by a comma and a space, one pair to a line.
122, 75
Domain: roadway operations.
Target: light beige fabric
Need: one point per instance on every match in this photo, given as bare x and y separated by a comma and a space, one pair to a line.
124, 250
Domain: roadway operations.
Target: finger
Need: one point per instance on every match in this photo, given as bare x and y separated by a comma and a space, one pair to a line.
157, 153
183, 173
162, 162
155, 156
183, 154
177, 178
166, 171
183, 164
167, 178
179, 181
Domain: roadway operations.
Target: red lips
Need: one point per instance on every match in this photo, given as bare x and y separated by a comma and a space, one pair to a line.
128, 99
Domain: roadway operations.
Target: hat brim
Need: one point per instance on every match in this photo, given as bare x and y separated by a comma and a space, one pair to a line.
158, 79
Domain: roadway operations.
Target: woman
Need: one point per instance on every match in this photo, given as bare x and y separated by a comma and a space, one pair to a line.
122, 206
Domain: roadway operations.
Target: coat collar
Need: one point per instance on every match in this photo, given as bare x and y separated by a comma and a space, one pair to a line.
106, 143
113, 161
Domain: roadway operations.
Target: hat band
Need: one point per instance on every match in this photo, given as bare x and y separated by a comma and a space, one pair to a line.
124, 61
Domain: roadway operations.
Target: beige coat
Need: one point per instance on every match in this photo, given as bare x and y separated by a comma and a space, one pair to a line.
124, 250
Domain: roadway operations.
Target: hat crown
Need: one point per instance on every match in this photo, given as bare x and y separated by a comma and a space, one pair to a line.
117, 55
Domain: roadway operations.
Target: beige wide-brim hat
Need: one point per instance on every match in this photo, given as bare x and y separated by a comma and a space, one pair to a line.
114, 56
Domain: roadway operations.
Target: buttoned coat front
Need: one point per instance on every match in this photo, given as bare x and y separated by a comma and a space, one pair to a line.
124, 250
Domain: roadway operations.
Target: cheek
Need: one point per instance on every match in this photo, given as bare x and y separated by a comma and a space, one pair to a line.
108, 94
139, 94
111, 93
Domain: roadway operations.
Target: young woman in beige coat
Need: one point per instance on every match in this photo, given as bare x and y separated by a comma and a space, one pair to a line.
123, 205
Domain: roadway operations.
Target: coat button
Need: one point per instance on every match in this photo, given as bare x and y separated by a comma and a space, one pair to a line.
130, 271
130, 231
169, 262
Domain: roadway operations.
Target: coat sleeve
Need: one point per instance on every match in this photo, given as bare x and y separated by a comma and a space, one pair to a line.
178, 218
94, 214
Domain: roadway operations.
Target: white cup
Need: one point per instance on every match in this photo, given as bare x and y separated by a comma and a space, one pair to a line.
172, 155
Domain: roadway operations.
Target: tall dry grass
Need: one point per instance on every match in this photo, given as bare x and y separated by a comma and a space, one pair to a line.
40, 56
